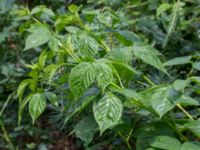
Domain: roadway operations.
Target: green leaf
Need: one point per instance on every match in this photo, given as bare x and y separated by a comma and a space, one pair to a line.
33, 85
22, 104
82, 103
85, 74
149, 26
68, 45
87, 46
42, 9
39, 36
196, 65
85, 129
63, 79
21, 88
37, 105
107, 111
147, 133
173, 22
180, 84
81, 77
187, 101
72, 29
50, 71
178, 61
162, 8
64, 20
194, 127
122, 54
125, 71
52, 98
162, 99
104, 74
149, 55
73, 8
42, 59
195, 79
54, 44
134, 98
127, 37
166, 143
190, 145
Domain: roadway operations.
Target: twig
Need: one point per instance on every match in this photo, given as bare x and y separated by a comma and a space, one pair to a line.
184, 111
5, 133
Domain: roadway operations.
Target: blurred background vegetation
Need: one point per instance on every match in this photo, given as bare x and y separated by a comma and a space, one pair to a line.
149, 19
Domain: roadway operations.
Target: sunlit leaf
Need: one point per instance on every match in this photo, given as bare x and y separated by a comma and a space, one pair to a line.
107, 111
149, 55
162, 99
81, 77
39, 36
190, 145
178, 61
166, 142
42, 9
52, 98
37, 105
162, 8
22, 86
180, 84
104, 74
196, 65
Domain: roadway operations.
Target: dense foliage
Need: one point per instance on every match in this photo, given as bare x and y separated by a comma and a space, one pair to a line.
100, 75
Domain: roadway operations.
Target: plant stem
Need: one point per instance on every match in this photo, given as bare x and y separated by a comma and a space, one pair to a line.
148, 80
103, 44
71, 54
155, 87
125, 140
6, 136
184, 111
5, 104
172, 23
190, 73
115, 85
177, 131
119, 79
5, 133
